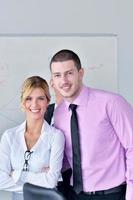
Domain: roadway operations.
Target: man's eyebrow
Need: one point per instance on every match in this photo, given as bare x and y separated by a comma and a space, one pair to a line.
66, 72
63, 72
56, 72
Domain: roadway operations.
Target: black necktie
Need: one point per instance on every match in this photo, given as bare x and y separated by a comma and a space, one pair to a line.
77, 172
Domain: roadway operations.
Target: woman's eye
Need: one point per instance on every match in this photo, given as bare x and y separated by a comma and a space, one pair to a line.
41, 98
28, 99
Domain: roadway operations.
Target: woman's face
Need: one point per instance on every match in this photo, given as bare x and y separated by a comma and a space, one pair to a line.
35, 104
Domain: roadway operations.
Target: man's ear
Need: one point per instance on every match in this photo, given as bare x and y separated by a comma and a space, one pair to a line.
81, 73
51, 82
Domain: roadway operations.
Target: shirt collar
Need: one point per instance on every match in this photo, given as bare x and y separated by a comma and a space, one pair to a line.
22, 127
82, 98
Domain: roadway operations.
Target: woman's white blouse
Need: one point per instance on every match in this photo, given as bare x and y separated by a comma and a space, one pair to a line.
47, 152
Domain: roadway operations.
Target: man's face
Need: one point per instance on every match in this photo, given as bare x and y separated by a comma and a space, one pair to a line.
67, 79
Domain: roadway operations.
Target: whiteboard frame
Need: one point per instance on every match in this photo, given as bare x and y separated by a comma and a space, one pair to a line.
57, 35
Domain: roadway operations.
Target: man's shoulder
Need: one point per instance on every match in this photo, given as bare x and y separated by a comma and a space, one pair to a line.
107, 98
52, 105
49, 113
102, 93
89, 92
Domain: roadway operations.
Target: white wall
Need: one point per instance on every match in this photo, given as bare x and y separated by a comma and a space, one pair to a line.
76, 16
5, 195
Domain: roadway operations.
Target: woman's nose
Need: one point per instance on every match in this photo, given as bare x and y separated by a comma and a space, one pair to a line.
34, 102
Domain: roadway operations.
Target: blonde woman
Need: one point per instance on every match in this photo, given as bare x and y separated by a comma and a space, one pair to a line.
33, 151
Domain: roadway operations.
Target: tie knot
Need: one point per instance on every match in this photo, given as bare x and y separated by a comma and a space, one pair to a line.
72, 107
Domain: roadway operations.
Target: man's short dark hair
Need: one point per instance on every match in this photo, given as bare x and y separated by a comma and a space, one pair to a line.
65, 55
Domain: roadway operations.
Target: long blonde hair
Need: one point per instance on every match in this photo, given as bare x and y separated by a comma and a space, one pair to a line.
32, 83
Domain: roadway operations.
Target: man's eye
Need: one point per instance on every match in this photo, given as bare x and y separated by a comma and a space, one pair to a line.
57, 75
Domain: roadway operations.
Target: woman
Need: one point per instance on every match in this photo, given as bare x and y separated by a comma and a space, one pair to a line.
33, 151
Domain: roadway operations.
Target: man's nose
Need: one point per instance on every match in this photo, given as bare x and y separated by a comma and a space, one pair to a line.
64, 78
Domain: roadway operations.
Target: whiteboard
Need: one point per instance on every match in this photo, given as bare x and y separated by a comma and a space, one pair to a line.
23, 56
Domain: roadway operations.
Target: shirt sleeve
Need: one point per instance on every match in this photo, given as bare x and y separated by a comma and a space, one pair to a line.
49, 179
8, 179
121, 116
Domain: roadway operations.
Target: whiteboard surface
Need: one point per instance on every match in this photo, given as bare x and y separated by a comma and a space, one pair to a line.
24, 56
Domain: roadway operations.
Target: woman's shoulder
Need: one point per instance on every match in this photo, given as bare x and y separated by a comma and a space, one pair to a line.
53, 132
11, 131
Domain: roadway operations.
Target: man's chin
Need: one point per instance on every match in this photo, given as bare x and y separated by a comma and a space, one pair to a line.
65, 94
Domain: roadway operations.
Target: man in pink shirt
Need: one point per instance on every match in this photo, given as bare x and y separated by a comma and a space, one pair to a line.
105, 122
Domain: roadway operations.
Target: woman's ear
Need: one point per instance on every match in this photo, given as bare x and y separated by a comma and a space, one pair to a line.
22, 106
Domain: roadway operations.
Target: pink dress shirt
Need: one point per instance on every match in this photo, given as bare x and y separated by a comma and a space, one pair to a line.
106, 138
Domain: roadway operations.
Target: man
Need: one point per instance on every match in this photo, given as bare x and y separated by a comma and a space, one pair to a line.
105, 128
